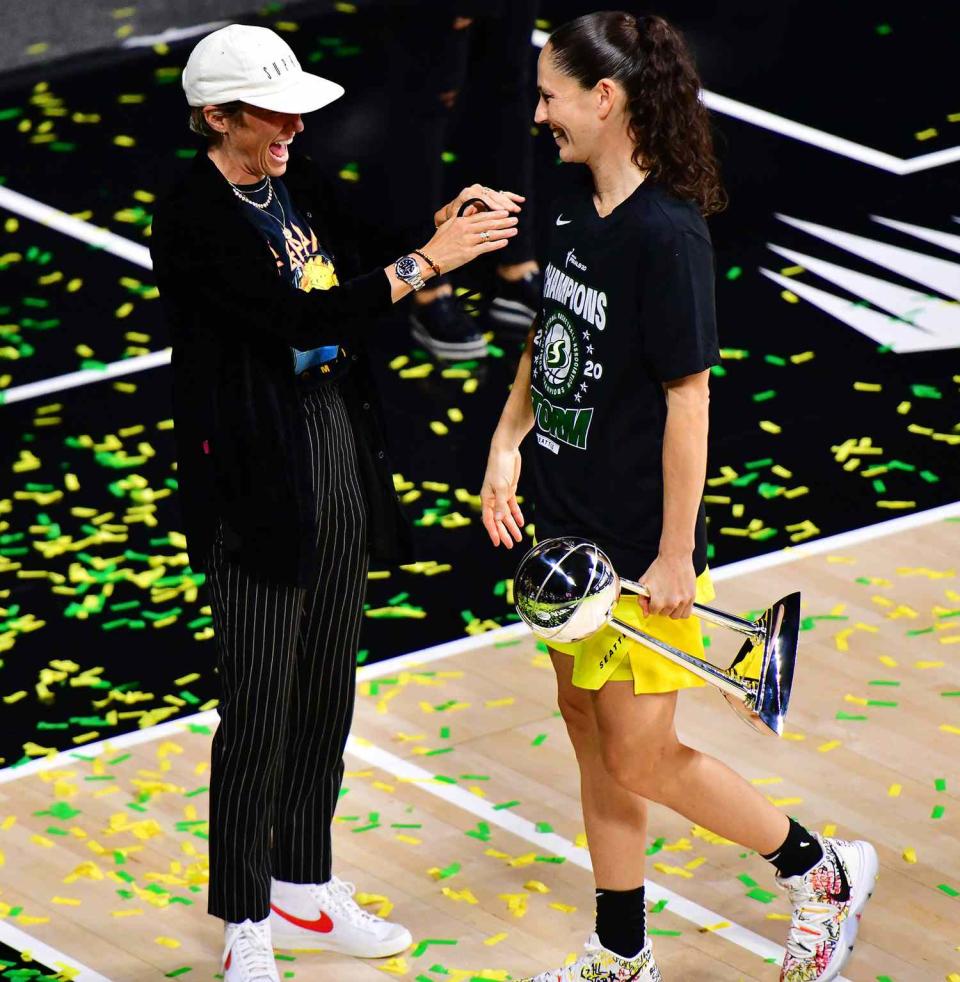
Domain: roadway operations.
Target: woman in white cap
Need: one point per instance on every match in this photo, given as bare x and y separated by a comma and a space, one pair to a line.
285, 488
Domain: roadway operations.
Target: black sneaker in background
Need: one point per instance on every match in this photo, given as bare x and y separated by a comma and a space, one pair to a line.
516, 304
443, 328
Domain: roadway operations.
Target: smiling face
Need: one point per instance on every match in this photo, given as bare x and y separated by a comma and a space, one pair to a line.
254, 142
581, 120
567, 108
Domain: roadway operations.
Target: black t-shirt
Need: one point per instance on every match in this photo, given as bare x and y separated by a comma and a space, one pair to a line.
303, 261
628, 303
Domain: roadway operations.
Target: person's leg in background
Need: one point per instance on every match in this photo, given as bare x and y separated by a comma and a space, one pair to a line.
305, 891
425, 70
501, 76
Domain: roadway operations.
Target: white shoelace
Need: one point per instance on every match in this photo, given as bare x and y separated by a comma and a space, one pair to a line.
252, 950
809, 925
340, 893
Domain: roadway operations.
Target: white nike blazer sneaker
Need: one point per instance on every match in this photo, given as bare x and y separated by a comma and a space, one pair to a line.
325, 917
248, 953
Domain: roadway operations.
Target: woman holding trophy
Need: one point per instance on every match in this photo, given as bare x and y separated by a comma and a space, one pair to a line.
614, 379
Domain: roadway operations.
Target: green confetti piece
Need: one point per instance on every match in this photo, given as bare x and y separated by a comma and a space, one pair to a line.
747, 881
12, 113
850, 717
937, 812
54, 830
734, 272
940, 783
879, 487
505, 804
660, 933
752, 465
538, 740
774, 360
190, 698
881, 702
764, 396
948, 890
367, 828
926, 392
474, 777
762, 896
448, 157
177, 972
556, 860
655, 846
718, 370
884, 682
443, 779
406, 825
423, 945
929, 477
658, 906
544, 827
449, 871
481, 832
439, 750
884, 30
950, 695
195, 792
199, 728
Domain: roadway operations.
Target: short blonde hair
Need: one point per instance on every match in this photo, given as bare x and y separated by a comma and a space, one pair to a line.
198, 122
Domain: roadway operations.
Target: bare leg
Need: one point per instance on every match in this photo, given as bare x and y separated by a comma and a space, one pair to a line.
641, 751
615, 818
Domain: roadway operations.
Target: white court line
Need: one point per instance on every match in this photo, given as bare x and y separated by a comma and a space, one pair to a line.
44, 954
57, 383
366, 751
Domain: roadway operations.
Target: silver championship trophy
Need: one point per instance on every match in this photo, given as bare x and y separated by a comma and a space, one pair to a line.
566, 589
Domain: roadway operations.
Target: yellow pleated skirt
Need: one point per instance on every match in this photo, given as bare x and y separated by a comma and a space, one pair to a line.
610, 655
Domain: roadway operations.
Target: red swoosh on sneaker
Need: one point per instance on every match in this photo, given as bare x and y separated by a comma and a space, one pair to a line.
322, 925
226, 964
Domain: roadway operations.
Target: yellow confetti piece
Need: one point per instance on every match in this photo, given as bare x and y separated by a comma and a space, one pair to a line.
395, 966
408, 839
766, 780
535, 886
41, 841
888, 661
470, 386
947, 728
8, 822
927, 134
856, 700
779, 917
495, 703
495, 939
828, 746
829, 831
719, 926
909, 855
459, 895
785, 802
789, 296
770, 427
673, 870
167, 942
802, 357
67, 901
894, 790
441, 429
928, 664
418, 371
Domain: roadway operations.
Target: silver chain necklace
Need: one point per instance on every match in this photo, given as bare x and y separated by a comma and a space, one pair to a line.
287, 234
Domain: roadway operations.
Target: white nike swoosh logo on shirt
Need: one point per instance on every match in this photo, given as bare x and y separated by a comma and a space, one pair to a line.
560, 220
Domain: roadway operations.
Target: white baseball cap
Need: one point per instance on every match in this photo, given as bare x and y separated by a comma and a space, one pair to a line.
253, 65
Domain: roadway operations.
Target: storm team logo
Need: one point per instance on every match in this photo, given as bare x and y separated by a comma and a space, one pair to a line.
559, 356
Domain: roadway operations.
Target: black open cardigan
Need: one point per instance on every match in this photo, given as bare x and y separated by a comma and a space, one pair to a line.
239, 420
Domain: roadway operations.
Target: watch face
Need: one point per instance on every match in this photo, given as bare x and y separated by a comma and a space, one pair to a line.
407, 266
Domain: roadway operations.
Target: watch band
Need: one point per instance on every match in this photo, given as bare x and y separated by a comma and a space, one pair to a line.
434, 266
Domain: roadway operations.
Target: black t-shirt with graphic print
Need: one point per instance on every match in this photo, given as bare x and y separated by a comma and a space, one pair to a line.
302, 259
628, 303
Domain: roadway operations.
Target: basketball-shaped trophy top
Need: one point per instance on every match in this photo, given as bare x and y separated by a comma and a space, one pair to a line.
565, 589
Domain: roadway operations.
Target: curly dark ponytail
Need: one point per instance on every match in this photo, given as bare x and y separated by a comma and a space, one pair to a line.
668, 123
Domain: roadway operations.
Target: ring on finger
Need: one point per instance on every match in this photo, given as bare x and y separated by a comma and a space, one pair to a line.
485, 236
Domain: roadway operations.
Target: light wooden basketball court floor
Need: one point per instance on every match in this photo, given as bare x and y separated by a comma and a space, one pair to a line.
460, 812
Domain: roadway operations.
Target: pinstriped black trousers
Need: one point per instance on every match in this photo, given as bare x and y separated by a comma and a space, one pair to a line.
287, 663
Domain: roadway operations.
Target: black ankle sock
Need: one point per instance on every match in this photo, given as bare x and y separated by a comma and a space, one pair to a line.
799, 853
621, 920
